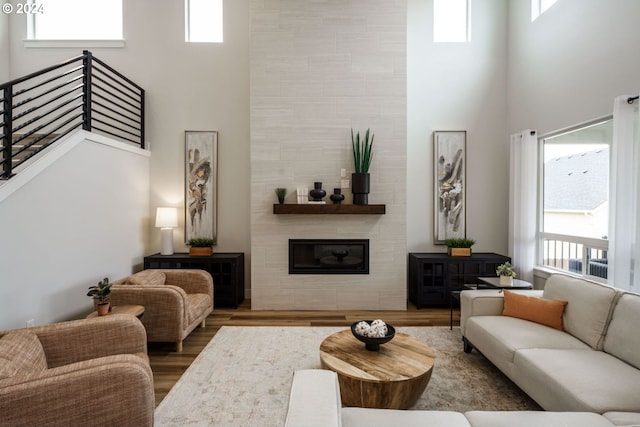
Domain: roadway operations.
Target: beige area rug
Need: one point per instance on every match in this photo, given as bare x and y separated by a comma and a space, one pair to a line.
243, 376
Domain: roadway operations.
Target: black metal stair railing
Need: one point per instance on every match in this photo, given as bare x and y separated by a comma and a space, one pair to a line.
82, 92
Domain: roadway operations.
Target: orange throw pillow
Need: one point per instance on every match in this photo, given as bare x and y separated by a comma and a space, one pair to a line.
544, 311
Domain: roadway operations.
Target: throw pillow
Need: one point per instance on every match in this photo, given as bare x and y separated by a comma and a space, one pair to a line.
540, 310
147, 278
21, 353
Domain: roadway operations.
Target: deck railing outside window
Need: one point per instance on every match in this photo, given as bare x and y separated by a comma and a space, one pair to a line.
580, 255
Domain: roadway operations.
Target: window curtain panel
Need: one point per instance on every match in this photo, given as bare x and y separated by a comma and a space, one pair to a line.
523, 181
624, 219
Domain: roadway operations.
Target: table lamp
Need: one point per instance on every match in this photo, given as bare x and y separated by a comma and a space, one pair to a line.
167, 220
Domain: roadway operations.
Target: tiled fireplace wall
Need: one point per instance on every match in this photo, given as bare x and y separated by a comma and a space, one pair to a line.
318, 69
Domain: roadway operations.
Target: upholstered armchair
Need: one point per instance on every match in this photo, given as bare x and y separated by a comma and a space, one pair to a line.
79, 373
175, 301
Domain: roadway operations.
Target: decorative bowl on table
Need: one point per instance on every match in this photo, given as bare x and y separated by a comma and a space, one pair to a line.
373, 333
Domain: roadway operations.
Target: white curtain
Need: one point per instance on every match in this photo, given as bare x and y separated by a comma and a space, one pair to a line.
624, 215
523, 181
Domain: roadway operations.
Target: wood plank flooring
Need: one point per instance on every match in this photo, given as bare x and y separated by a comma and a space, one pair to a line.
168, 366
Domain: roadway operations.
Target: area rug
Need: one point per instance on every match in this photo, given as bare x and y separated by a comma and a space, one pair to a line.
243, 377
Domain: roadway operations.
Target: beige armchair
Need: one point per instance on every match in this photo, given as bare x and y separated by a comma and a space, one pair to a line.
83, 372
175, 301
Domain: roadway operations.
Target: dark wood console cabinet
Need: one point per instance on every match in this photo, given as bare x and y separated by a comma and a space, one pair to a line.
432, 276
227, 270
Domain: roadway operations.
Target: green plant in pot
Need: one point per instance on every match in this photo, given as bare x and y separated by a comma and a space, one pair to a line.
281, 194
200, 246
100, 294
362, 156
506, 273
459, 246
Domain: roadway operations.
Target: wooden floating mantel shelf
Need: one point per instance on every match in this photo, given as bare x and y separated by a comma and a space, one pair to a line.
338, 209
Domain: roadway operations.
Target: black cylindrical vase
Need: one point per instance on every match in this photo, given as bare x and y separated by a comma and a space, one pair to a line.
360, 188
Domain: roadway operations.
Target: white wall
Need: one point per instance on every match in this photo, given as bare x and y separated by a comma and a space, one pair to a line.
567, 66
83, 218
4, 48
200, 86
318, 69
459, 86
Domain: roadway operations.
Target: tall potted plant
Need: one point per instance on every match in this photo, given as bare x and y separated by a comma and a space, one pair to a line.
362, 155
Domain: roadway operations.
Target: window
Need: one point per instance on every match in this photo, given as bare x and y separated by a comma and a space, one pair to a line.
575, 199
76, 20
203, 21
538, 7
451, 21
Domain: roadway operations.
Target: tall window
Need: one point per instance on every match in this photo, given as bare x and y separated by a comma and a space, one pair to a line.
451, 21
575, 199
76, 20
203, 21
538, 7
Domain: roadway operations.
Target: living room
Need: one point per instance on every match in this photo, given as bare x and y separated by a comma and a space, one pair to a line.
286, 123
514, 75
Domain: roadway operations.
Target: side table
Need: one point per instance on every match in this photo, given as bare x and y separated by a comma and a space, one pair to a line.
134, 310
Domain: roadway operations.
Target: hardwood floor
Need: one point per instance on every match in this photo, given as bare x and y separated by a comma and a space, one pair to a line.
168, 366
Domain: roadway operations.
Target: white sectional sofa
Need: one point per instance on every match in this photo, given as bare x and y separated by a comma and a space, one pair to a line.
314, 401
593, 365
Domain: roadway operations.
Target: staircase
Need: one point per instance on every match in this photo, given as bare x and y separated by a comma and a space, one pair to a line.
79, 93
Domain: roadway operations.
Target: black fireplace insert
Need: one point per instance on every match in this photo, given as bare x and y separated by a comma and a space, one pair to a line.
328, 256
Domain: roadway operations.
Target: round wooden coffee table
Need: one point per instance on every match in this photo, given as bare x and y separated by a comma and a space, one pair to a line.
393, 377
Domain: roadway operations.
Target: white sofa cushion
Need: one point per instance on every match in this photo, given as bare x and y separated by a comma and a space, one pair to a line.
626, 419
314, 399
622, 339
589, 305
577, 380
499, 337
367, 417
536, 419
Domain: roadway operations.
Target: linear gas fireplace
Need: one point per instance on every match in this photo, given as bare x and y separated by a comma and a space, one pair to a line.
328, 256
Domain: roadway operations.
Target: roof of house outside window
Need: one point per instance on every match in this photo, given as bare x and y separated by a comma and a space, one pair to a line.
578, 182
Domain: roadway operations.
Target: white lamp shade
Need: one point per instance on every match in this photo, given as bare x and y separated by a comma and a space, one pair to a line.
167, 217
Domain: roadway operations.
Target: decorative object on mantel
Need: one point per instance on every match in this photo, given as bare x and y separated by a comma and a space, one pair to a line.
506, 273
303, 195
331, 208
100, 294
459, 246
317, 193
337, 197
200, 246
373, 333
450, 190
281, 193
362, 155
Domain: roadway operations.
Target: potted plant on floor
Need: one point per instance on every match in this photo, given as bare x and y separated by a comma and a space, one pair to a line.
506, 273
362, 155
200, 246
459, 246
100, 294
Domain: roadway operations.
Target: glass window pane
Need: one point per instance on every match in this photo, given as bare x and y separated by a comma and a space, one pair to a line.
576, 182
450, 21
75, 20
204, 21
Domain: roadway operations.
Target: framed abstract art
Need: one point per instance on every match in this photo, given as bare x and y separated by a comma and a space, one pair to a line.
450, 185
201, 182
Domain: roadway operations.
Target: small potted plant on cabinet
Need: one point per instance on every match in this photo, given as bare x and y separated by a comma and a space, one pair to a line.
506, 273
459, 246
200, 246
100, 294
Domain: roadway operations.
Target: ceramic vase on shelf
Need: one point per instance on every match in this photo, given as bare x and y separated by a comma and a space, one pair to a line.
506, 281
317, 193
337, 196
360, 188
